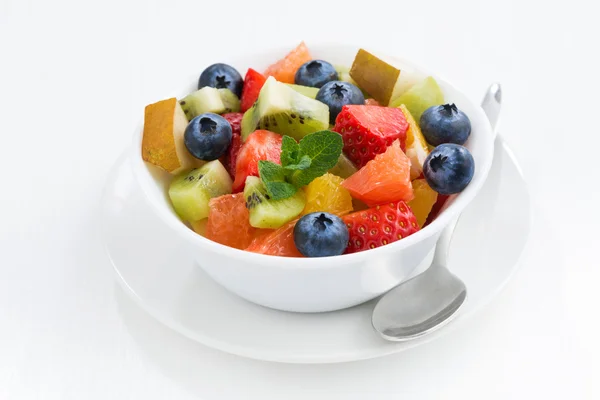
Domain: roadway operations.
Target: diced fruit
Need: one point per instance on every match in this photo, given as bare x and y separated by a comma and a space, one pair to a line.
449, 168
228, 221
282, 110
199, 226
321, 234
230, 158
344, 167
260, 145
369, 130
277, 243
230, 101
437, 207
253, 82
221, 76
445, 124
207, 136
425, 198
379, 226
420, 97
327, 194
162, 143
416, 145
285, 69
384, 179
266, 212
337, 94
371, 102
315, 73
305, 90
209, 100
191, 191
382, 78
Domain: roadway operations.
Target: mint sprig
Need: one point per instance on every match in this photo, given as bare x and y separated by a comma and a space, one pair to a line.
301, 163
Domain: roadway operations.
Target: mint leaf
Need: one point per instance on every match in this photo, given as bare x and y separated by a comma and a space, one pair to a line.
273, 176
270, 172
323, 148
289, 151
280, 190
302, 164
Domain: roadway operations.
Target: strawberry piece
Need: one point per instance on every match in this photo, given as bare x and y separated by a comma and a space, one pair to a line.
253, 82
379, 226
260, 145
230, 158
369, 130
371, 102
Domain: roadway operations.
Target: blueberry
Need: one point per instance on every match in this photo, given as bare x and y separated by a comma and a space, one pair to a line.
445, 124
315, 73
449, 168
320, 234
336, 94
207, 136
222, 76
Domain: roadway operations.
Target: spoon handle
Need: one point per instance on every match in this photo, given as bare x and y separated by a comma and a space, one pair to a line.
491, 105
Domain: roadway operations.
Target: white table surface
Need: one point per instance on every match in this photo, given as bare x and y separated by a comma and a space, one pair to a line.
74, 77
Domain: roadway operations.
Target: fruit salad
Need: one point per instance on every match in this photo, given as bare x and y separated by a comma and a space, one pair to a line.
310, 159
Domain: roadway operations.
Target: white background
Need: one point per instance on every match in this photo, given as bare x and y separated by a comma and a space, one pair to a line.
74, 78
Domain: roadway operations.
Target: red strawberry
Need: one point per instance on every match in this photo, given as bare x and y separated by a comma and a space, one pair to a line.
379, 226
230, 158
253, 82
260, 145
369, 130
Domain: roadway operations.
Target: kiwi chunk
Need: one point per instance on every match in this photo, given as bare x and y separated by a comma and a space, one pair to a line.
420, 97
209, 99
305, 90
282, 110
191, 191
344, 167
267, 213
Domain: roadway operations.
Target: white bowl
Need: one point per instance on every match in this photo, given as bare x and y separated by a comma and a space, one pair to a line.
316, 284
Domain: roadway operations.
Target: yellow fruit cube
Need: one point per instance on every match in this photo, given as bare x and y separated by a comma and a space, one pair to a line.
162, 144
416, 145
425, 198
327, 194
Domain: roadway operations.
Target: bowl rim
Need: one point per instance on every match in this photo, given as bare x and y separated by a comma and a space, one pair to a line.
447, 214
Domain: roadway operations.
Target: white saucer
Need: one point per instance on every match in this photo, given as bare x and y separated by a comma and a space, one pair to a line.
487, 244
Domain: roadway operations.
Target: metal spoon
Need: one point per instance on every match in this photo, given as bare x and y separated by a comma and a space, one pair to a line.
428, 301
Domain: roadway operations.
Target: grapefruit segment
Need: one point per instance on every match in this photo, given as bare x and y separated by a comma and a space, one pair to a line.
285, 69
384, 179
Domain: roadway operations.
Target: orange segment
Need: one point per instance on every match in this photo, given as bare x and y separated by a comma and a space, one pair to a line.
384, 179
285, 69
279, 242
228, 221
416, 145
326, 193
425, 198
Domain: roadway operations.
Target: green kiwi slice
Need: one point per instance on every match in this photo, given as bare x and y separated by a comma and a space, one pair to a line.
191, 191
268, 213
209, 100
282, 110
